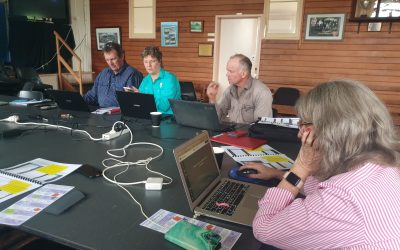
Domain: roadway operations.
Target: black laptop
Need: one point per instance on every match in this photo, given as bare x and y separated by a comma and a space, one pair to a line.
136, 105
198, 115
69, 100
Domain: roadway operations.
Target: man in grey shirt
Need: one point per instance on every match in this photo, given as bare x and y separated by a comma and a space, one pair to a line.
246, 99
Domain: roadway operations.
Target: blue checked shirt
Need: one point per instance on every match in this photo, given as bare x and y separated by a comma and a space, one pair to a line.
103, 92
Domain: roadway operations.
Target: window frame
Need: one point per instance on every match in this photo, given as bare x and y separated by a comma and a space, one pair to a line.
132, 34
283, 36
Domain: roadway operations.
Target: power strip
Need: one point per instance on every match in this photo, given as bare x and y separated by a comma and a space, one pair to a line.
113, 134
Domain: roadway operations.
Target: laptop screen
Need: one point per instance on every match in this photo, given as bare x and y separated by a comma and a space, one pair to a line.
195, 114
197, 166
69, 100
136, 105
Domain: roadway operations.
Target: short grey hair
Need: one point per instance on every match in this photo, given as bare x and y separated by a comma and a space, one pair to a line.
244, 61
153, 51
352, 126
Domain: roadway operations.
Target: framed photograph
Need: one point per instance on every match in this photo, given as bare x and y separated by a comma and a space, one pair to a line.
325, 26
105, 35
205, 49
196, 26
169, 34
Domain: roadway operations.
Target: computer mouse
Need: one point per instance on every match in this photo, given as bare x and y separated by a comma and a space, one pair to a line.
246, 172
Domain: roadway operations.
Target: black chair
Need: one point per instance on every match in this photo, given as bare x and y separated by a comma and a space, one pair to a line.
286, 96
188, 93
31, 79
8, 85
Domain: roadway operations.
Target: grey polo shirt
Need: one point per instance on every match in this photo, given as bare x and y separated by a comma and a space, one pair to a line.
253, 102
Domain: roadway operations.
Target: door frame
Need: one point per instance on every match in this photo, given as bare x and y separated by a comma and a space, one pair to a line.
261, 30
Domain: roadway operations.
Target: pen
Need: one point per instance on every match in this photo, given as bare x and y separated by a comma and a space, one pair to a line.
218, 135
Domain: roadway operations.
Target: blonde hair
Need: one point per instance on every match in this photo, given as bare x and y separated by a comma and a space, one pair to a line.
352, 126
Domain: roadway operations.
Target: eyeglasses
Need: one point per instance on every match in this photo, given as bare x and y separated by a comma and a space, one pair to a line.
301, 123
150, 62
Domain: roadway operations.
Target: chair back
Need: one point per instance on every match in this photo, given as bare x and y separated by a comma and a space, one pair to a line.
188, 93
27, 74
286, 96
37, 95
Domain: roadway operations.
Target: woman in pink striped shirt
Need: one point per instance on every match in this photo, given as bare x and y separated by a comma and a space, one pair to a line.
349, 163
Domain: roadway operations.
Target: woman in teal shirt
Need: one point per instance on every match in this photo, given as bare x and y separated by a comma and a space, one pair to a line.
159, 82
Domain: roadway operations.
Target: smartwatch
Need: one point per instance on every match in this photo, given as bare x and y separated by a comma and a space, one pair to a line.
293, 179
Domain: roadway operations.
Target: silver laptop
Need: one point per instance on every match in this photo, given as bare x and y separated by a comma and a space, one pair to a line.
202, 182
198, 115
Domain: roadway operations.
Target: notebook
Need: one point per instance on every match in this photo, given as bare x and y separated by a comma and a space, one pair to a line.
29, 175
136, 105
245, 141
69, 100
198, 115
202, 181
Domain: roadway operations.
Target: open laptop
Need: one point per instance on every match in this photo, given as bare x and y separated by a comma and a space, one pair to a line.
202, 180
69, 100
198, 115
136, 105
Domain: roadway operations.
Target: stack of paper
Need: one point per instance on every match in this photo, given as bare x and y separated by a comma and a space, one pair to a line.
109, 110
265, 155
26, 102
289, 122
32, 204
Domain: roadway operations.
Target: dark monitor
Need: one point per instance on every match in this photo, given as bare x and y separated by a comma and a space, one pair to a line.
40, 10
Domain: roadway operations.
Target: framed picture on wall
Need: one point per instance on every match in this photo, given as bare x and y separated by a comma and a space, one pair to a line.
325, 26
169, 34
106, 35
196, 26
205, 49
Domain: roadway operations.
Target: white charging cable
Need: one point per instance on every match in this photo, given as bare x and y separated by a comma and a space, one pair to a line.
111, 163
15, 119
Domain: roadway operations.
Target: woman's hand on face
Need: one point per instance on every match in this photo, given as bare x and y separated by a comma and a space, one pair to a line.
264, 172
308, 158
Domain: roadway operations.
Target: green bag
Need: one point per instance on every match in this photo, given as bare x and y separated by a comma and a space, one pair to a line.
190, 236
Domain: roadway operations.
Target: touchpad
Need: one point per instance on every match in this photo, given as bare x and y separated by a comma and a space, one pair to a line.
250, 202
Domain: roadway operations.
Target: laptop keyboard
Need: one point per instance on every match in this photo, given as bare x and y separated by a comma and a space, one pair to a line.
226, 199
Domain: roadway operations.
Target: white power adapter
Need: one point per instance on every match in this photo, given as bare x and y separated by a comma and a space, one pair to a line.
13, 118
112, 134
154, 183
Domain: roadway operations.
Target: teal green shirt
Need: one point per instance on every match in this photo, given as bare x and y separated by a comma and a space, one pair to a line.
165, 87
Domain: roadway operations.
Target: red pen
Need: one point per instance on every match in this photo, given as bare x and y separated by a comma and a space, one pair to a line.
115, 111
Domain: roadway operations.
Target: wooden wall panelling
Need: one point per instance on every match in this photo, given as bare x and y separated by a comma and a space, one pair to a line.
371, 57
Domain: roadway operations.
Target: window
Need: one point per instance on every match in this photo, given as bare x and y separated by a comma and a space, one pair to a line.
142, 18
283, 19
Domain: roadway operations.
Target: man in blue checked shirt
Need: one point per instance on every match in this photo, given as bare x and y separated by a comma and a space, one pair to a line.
113, 78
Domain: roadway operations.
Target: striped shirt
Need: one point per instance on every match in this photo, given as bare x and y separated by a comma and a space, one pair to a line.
359, 209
